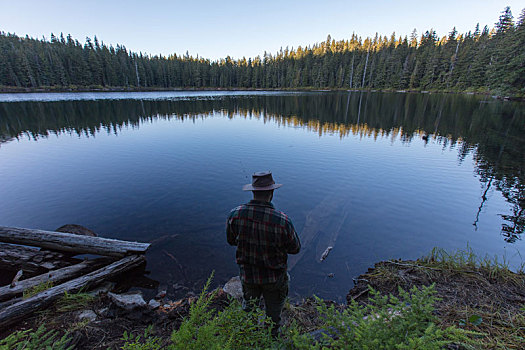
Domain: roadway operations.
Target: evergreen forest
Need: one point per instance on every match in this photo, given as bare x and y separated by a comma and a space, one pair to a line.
483, 60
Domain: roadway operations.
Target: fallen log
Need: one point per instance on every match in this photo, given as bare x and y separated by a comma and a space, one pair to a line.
68, 242
54, 276
31, 260
16, 312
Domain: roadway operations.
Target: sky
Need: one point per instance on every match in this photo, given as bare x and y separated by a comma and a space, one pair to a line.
216, 29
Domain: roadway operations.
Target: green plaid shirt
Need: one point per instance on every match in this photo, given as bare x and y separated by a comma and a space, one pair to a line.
264, 237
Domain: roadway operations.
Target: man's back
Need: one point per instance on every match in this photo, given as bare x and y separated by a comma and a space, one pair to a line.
264, 237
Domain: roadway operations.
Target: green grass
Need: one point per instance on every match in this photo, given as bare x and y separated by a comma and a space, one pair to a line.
468, 261
74, 301
28, 293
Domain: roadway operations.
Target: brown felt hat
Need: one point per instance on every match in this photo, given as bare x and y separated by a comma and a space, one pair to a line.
262, 181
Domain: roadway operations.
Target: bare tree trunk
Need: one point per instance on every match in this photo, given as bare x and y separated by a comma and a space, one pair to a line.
366, 63
352, 71
68, 242
452, 64
55, 276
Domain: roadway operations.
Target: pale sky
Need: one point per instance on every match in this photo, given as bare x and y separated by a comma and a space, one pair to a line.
215, 29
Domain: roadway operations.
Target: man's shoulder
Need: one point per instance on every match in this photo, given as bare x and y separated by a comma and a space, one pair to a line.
237, 211
280, 218
280, 214
275, 215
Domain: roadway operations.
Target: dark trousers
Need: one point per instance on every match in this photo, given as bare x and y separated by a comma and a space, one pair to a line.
274, 295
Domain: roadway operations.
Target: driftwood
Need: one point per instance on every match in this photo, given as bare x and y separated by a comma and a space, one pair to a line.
31, 260
16, 312
55, 276
70, 242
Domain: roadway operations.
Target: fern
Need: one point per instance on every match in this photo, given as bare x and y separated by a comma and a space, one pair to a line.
35, 340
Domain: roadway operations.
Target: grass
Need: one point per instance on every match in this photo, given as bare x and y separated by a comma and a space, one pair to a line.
74, 301
479, 294
464, 259
28, 293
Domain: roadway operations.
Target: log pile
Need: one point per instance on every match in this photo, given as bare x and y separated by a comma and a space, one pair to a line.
42, 257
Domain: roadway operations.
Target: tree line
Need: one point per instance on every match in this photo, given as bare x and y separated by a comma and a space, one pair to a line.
480, 60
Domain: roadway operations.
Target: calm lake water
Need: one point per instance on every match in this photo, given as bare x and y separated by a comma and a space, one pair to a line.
375, 175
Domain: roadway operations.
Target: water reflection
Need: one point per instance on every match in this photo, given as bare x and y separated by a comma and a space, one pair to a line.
491, 130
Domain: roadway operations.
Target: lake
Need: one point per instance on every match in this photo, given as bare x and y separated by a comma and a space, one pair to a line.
375, 175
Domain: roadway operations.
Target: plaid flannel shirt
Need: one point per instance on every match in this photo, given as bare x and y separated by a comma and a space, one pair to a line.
264, 237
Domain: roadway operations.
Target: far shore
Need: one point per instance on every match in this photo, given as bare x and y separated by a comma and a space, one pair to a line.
60, 89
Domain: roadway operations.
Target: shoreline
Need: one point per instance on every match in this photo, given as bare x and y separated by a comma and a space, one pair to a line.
8, 89
474, 295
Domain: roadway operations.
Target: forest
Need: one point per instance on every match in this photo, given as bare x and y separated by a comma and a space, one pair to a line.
487, 60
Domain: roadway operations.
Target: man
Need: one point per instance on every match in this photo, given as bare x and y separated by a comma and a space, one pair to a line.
264, 237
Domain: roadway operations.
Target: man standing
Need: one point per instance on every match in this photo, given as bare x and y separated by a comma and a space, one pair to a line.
264, 237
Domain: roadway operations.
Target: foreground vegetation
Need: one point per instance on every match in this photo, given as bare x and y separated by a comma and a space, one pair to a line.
440, 301
481, 60
385, 322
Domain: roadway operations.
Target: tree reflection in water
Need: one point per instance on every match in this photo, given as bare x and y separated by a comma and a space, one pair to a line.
492, 131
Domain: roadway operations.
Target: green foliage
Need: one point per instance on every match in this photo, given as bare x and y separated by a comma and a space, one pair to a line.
28, 293
74, 301
144, 342
474, 320
232, 328
35, 340
465, 260
387, 322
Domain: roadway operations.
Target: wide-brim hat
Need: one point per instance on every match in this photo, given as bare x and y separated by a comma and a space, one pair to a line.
261, 181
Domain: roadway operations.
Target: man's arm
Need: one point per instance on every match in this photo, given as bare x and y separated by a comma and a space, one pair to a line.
294, 244
231, 236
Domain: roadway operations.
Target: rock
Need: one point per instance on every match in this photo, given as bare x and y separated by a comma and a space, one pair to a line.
234, 287
162, 292
103, 311
87, 315
128, 301
177, 286
76, 229
104, 288
154, 304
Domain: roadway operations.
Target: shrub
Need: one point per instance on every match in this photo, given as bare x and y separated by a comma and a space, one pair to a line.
387, 322
232, 328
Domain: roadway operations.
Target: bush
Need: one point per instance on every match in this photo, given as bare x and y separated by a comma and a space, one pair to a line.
387, 322
232, 328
